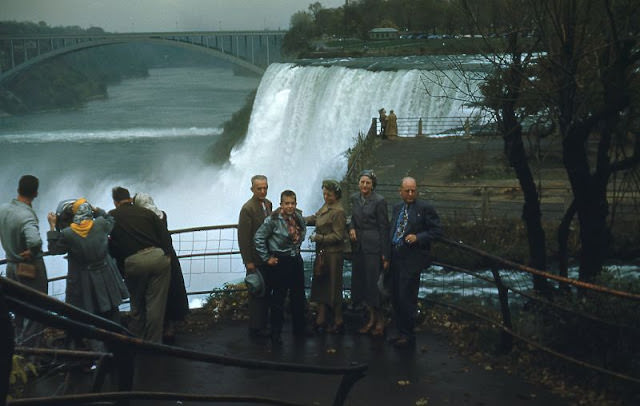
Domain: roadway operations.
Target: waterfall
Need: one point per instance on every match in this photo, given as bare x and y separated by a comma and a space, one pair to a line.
151, 134
304, 119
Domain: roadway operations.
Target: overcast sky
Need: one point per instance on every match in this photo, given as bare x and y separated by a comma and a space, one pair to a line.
159, 15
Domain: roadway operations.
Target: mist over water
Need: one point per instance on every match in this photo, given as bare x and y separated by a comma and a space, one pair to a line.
151, 135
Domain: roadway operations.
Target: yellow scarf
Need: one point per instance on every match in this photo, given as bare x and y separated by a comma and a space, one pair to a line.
83, 228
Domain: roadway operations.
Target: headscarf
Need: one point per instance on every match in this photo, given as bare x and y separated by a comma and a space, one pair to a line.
145, 200
82, 217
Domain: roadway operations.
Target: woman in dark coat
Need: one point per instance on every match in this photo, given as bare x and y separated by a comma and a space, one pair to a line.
326, 286
93, 280
369, 234
177, 301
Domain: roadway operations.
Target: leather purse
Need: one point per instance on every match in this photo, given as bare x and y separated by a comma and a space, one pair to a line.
26, 270
320, 264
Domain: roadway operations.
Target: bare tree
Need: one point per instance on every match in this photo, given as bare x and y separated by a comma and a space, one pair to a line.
590, 71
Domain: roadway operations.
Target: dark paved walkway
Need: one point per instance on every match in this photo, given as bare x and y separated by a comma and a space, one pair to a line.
431, 374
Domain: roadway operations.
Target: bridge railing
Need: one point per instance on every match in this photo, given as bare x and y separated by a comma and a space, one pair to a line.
257, 48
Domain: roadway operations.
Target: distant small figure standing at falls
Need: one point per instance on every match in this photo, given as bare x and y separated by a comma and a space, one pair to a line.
383, 122
391, 129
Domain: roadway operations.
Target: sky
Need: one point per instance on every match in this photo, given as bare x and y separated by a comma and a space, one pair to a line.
160, 15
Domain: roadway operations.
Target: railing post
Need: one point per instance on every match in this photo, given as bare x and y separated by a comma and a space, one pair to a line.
506, 340
420, 127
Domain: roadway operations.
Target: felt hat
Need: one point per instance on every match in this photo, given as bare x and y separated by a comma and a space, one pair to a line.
255, 284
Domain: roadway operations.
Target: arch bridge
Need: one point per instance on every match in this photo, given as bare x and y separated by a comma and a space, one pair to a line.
252, 50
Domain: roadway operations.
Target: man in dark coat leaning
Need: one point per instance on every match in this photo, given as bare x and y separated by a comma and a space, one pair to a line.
141, 245
414, 224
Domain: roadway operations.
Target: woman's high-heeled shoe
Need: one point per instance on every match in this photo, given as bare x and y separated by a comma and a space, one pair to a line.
378, 331
366, 328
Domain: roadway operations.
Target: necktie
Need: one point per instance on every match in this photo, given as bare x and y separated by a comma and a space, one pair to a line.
264, 209
401, 225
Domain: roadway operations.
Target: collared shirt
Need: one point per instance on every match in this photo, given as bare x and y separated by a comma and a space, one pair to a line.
19, 230
273, 237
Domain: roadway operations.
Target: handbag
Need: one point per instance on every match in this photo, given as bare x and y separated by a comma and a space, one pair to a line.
26, 270
320, 264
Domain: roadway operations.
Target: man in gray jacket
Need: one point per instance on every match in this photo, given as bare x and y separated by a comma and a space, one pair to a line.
20, 237
278, 243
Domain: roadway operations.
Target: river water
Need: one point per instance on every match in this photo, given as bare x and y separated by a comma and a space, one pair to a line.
152, 135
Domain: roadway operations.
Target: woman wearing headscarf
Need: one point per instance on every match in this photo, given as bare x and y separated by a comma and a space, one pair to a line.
326, 286
369, 234
177, 301
93, 281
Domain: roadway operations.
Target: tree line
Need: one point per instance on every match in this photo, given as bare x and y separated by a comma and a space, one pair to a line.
357, 17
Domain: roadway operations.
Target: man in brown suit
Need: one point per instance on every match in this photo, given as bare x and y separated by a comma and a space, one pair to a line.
252, 215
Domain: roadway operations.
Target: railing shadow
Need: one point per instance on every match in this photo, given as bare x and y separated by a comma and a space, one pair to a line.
579, 316
123, 348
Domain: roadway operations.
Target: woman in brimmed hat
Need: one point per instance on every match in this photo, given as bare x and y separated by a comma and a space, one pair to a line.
326, 286
369, 234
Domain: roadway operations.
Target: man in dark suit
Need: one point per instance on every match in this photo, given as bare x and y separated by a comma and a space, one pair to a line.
414, 224
251, 217
141, 244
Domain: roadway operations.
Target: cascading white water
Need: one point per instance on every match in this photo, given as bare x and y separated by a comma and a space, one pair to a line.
303, 121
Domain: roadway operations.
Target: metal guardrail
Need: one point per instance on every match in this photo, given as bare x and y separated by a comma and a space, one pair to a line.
506, 292
502, 290
441, 126
49, 311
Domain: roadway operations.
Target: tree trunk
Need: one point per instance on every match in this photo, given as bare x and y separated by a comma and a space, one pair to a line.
591, 204
531, 213
515, 152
